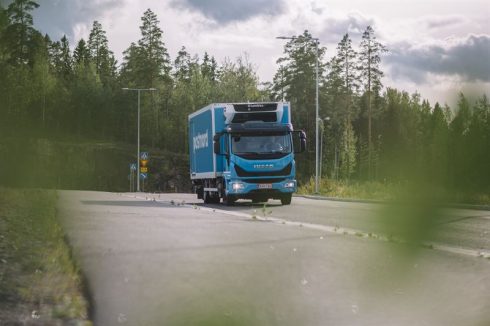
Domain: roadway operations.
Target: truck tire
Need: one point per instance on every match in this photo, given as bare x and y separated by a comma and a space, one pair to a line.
207, 198
286, 199
229, 200
200, 193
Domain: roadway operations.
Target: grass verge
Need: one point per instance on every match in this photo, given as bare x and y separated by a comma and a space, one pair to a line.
386, 191
40, 284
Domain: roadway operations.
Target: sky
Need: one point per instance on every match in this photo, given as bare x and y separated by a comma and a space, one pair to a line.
436, 47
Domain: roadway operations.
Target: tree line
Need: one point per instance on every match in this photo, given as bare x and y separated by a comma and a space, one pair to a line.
368, 132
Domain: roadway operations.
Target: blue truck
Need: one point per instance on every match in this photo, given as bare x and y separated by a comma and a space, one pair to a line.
244, 151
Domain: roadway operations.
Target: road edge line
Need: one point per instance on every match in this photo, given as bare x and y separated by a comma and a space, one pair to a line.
330, 229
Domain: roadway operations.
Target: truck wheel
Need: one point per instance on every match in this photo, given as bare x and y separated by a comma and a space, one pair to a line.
200, 193
207, 198
229, 200
286, 199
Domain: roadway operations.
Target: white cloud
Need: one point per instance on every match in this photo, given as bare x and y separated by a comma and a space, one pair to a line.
442, 21
226, 11
467, 58
414, 38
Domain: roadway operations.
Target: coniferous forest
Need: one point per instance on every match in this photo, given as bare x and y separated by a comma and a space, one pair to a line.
70, 100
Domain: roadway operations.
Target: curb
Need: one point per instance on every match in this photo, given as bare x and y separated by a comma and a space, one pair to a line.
375, 201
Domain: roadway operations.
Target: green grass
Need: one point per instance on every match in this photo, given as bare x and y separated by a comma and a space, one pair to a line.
344, 189
373, 190
39, 282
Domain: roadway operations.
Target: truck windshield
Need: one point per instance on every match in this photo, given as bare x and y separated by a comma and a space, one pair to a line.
261, 144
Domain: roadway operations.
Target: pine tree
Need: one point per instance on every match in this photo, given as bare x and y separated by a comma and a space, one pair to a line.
81, 54
54, 50
131, 62
340, 92
459, 143
348, 152
478, 147
66, 68
238, 81
3, 28
182, 65
20, 31
297, 81
100, 55
438, 159
156, 62
371, 74
279, 87
298, 77
347, 64
209, 68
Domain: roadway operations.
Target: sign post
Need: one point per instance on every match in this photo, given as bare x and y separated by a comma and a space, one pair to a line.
143, 167
132, 172
143, 176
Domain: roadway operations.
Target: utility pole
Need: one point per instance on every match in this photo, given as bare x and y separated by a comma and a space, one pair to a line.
139, 90
317, 152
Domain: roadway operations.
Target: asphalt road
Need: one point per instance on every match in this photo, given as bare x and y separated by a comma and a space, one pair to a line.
169, 260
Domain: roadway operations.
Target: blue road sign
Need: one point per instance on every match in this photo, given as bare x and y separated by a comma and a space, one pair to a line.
144, 155
132, 166
143, 175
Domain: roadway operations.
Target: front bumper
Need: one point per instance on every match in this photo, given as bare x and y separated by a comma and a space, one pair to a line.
248, 189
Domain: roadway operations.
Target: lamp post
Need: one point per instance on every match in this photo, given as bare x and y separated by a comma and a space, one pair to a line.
317, 159
139, 90
321, 142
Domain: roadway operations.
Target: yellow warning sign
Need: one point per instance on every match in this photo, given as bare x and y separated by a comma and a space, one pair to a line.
144, 169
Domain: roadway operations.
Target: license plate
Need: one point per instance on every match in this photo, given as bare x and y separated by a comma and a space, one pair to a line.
265, 186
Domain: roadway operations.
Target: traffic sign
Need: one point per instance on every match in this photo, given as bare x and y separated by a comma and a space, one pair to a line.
143, 162
143, 175
132, 166
143, 169
144, 155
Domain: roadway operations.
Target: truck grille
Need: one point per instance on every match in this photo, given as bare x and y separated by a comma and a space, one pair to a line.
242, 173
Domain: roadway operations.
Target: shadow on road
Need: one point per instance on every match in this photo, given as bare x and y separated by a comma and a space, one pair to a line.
240, 206
129, 203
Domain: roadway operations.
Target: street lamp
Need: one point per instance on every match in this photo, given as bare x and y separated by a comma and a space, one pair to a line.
317, 159
326, 119
139, 90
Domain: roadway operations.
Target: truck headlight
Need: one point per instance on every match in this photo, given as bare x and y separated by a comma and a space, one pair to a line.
289, 184
237, 186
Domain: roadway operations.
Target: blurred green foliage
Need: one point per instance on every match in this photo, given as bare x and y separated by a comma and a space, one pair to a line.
36, 267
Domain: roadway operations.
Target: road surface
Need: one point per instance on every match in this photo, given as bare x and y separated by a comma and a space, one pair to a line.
170, 260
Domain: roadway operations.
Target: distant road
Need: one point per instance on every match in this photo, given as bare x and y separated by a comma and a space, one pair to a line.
170, 260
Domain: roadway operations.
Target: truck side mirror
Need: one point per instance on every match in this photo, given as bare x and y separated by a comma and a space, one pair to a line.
217, 144
302, 141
